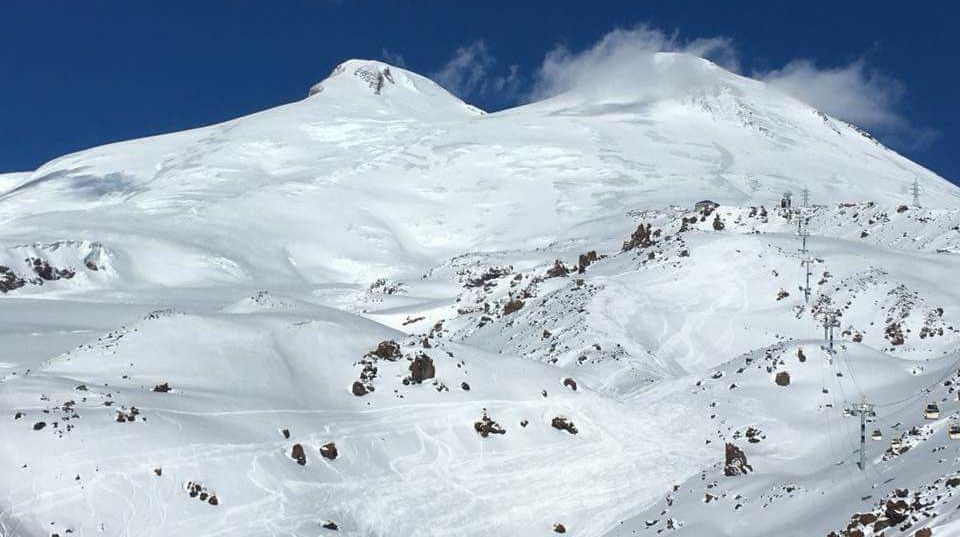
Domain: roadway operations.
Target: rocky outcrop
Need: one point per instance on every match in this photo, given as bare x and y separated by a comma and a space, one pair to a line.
421, 369
641, 238
558, 270
563, 424
782, 378
387, 350
485, 426
586, 260
735, 461
512, 306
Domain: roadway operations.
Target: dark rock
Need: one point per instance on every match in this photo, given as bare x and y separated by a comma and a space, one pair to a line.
586, 260
563, 424
329, 451
782, 378
422, 368
331, 525
299, 455
512, 306
285, 433
735, 461
388, 350
558, 270
464, 386
359, 389
162, 388
486, 426
39, 425
559, 528
570, 383
641, 238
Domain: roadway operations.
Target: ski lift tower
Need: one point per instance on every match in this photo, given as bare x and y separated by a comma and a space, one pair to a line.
864, 410
831, 320
807, 262
806, 197
802, 233
915, 191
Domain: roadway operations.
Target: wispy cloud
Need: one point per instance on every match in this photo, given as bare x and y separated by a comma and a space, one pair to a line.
621, 63
473, 71
393, 58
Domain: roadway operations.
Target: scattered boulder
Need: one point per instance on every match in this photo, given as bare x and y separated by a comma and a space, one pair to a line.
486, 426
570, 383
563, 424
359, 389
162, 388
559, 528
782, 378
512, 306
894, 333
299, 455
558, 270
800, 356
388, 350
158, 471
330, 525
586, 260
329, 451
641, 238
421, 368
781, 294
129, 416
9, 280
43, 269
735, 461
285, 433
39, 425
464, 386
717, 223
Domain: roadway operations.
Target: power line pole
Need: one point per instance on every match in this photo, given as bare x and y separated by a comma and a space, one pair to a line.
915, 190
864, 410
806, 196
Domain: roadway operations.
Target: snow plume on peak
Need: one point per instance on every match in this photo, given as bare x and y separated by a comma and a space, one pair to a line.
641, 64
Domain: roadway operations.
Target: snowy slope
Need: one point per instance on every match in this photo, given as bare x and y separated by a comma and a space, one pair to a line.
180, 312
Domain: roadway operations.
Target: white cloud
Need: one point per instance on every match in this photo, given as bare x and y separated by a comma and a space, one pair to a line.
623, 63
853, 92
473, 71
393, 58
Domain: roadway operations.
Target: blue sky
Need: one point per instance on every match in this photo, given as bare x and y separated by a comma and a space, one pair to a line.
79, 74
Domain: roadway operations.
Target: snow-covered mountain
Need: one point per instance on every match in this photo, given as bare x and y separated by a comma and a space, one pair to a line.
382, 311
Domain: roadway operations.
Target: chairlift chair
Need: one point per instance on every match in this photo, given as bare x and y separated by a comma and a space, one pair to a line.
876, 435
931, 411
954, 431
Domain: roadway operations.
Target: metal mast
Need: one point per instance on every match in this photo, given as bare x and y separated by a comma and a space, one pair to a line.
864, 410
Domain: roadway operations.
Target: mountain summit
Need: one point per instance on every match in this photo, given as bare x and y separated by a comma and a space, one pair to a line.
658, 300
